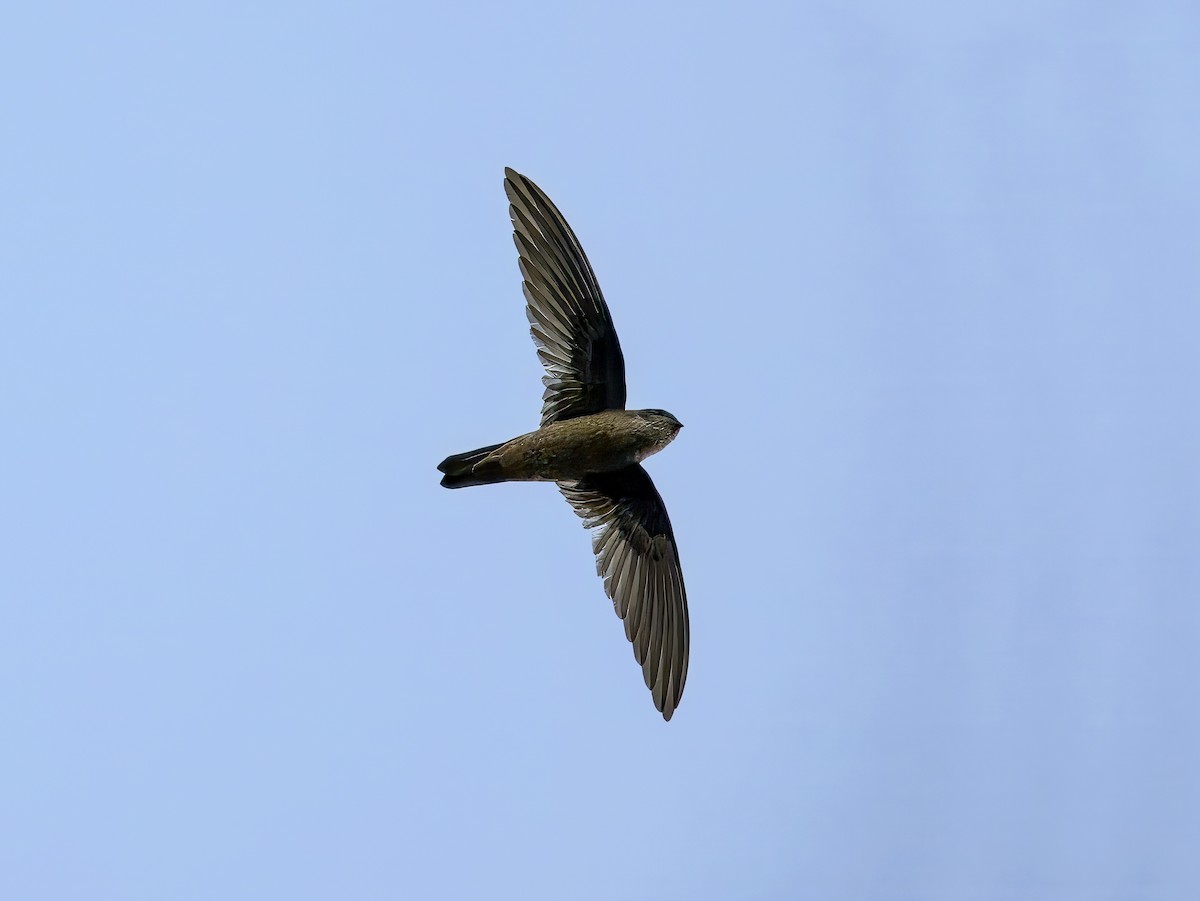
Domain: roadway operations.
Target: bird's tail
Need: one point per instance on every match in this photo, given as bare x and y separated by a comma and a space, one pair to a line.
459, 469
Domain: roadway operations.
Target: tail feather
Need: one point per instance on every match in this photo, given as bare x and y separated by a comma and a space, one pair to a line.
458, 469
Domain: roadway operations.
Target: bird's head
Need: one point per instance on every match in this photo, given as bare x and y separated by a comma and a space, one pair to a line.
663, 422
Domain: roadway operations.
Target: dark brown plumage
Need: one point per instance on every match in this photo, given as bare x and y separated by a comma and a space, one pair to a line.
590, 444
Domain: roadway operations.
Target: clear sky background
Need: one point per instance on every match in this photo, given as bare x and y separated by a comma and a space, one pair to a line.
922, 281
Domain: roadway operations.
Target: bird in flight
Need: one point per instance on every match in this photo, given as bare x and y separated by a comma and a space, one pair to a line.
590, 444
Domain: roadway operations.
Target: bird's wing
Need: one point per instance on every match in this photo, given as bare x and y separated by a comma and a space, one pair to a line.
636, 556
569, 321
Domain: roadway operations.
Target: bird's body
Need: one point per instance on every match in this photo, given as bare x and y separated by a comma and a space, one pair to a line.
568, 450
590, 445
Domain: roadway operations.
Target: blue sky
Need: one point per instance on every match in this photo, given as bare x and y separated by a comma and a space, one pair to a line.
922, 281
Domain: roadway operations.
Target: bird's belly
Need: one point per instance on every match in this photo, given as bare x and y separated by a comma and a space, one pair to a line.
569, 450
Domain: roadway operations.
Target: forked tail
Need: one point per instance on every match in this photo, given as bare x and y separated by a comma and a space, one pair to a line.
459, 469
